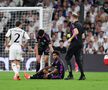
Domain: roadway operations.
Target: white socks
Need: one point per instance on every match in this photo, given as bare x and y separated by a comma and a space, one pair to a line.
14, 67
18, 68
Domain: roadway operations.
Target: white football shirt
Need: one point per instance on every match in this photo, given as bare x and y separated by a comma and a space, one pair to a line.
17, 35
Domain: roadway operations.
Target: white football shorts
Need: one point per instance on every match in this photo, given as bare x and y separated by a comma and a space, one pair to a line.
15, 52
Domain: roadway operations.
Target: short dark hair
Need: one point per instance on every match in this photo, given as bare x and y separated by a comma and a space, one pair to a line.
56, 52
61, 41
40, 32
65, 21
18, 23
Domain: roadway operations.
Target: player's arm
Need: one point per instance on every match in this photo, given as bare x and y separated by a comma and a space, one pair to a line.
7, 38
54, 71
6, 44
76, 32
45, 68
26, 36
25, 43
50, 44
36, 49
51, 47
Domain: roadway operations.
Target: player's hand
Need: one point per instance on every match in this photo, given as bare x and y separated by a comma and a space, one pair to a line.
7, 45
69, 40
22, 46
50, 45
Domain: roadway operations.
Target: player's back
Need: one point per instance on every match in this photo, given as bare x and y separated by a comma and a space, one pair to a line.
17, 35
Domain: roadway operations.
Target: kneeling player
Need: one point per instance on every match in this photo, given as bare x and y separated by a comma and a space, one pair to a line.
57, 70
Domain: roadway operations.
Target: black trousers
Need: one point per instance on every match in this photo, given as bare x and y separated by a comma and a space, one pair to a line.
39, 75
76, 50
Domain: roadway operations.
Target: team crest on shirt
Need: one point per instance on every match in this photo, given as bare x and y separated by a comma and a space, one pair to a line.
55, 66
44, 40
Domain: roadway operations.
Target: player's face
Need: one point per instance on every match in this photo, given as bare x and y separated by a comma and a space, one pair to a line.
41, 36
55, 56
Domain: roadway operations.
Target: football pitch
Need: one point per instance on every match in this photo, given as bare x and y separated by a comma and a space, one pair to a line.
94, 81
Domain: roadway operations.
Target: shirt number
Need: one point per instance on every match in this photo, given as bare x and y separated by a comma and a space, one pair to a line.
17, 37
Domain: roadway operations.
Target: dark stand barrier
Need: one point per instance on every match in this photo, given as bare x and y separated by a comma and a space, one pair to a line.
91, 62
94, 63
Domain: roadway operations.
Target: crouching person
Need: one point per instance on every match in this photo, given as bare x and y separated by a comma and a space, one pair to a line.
56, 69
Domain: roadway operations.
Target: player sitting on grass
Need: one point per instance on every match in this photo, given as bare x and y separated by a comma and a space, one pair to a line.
57, 70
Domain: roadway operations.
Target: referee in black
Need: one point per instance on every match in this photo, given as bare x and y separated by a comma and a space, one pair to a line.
75, 47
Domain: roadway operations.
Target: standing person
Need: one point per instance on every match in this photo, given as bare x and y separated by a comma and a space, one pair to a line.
15, 44
57, 69
75, 47
42, 47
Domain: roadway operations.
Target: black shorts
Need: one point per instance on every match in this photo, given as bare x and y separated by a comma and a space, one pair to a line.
45, 51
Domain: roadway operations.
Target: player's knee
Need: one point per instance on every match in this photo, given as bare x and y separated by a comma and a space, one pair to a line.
38, 61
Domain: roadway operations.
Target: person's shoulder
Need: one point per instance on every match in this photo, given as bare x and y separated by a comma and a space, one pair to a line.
46, 35
11, 28
78, 23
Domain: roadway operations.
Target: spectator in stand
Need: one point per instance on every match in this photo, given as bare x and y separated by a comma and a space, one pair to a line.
65, 26
98, 27
53, 28
31, 42
55, 39
86, 7
95, 44
28, 3
105, 6
105, 43
85, 43
14, 3
93, 13
105, 25
100, 38
48, 3
61, 48
11, 3
60, 32
90, 49
66, 43
101, 50
3, 3
76, 6
90, 35
92, 28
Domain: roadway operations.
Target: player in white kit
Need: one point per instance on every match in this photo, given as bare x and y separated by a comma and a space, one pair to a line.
15, 44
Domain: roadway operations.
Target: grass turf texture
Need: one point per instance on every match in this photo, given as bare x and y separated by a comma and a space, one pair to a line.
94, 81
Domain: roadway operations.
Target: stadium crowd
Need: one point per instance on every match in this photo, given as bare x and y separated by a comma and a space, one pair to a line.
95, 22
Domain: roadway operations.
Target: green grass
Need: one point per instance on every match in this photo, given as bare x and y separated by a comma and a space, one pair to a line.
94, 81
